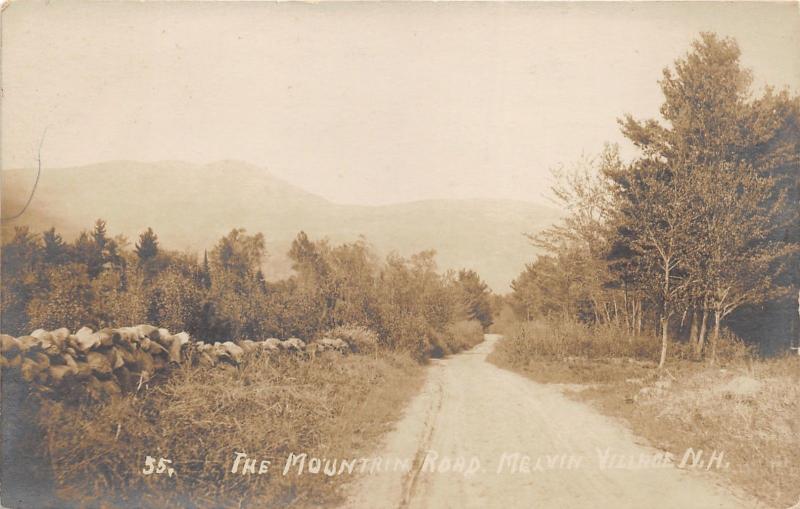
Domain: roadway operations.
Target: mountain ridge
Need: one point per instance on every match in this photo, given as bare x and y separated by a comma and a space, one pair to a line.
190, 206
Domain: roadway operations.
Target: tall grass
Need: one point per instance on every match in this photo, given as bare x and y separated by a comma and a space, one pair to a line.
565, 339
329, 406
560, 339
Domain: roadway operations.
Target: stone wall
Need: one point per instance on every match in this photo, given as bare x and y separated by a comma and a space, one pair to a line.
110, 362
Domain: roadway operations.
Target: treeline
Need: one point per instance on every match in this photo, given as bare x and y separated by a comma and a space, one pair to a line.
101, 281
701, 224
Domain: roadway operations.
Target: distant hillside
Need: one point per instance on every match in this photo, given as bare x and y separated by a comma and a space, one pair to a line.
191, 206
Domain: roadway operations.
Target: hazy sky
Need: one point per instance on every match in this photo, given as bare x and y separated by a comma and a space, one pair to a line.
360, 103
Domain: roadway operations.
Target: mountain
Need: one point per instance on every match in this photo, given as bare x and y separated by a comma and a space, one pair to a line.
192, 206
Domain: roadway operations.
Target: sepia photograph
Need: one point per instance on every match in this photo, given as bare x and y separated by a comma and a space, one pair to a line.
399, 255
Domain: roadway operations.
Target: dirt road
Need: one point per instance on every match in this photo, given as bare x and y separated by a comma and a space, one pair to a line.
480, 436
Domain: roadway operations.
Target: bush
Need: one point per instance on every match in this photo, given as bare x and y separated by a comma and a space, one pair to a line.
463, 335
731, 348
65, 302
505, 322
362, 339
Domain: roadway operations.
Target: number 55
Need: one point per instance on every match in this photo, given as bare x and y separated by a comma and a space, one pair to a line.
150, 466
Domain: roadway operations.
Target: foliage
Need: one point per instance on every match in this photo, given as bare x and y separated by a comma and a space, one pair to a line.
175, 301
66, 301
18, 269
475, 294
147, 245
462, 335
362, 339
701, 223
345, 288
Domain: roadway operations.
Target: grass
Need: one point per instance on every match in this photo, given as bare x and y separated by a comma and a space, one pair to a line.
330, 406
747, 407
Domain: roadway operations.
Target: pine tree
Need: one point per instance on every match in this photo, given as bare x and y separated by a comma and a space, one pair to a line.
55, 250
147, 246
99, 234
205, 274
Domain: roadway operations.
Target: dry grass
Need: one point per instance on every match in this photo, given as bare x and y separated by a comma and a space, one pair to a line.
330, 406
760, 432
568, 340
747, 407
553, 339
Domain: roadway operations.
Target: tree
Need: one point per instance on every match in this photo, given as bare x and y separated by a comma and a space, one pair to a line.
67, 302
236, 296
475, 294
82, 248
239, 253
147, 246
352, 272
205, 272
730, 157
55, 249
96, 249
654, 223
584, 237
314, 277
99, 234
737, 260
20, 271
176, 301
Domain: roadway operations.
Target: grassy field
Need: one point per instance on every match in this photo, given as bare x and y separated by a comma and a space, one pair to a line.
330, 406
747, 407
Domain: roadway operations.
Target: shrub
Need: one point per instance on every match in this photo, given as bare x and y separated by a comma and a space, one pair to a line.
505, 321
362, 339
175, 301
405, 332
731, 348
66, 302
463, 335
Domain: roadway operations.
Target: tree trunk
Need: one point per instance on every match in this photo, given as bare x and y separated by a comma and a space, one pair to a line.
639, 318
665, 312
715, 335
703, 329
629, 318
694, 328
664, 339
